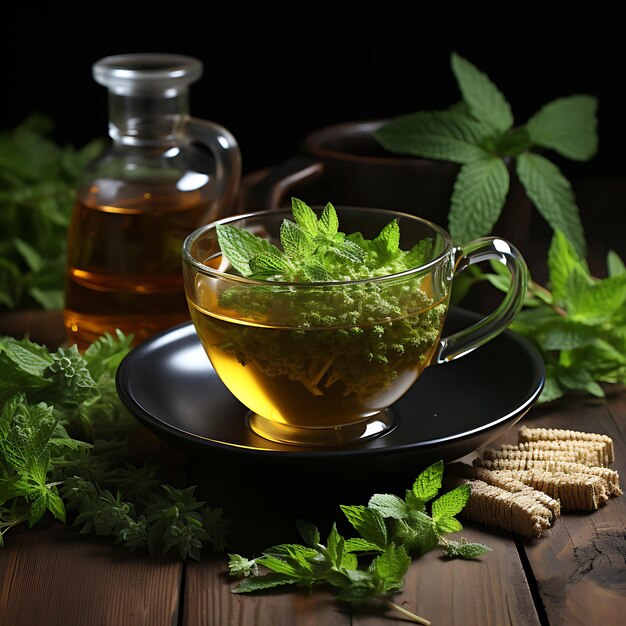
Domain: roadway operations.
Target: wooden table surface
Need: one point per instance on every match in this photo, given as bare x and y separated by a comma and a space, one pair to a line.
574, 574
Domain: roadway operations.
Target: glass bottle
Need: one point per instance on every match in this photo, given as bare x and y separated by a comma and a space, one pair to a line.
164, 174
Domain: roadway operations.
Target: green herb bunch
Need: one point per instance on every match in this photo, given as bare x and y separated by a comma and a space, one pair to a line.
37, 191
578, 323
359, 335
64, 450
370, 567
479, 134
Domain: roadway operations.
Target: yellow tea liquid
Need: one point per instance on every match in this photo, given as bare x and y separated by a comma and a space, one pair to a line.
319, 392
124, 264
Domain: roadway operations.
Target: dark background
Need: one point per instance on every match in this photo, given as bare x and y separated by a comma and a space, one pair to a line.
271, 76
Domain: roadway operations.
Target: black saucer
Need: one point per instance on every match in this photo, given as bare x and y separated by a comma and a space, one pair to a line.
169, 384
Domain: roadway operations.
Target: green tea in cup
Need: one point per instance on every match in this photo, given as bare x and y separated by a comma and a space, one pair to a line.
319, 320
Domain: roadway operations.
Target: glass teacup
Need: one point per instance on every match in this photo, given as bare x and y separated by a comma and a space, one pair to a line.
321, 363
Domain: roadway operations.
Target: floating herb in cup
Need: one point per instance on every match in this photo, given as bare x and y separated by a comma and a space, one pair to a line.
312, 341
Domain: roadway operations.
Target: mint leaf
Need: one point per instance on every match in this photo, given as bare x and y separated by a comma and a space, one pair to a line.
598, 302
563, 261
358, 544
614, 263
309, 533
451, 503
567, 125
328, 223
369, 523
464, 549
433, 135
553, 196
483, 98
388, 505
565, 333
428, 483
240, 566
267, 264
259, 583
239, 246
305, 217
295, 240
390, 568
478, 197
388, 240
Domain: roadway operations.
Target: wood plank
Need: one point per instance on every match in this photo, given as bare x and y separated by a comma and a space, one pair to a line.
52, 576
263, 509
579, 565
492, 590
209, 601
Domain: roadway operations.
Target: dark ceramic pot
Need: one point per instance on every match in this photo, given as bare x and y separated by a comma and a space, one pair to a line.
344, 164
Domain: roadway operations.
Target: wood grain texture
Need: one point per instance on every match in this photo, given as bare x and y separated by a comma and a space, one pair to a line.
490, 591
580, 564
52, 576
209, 601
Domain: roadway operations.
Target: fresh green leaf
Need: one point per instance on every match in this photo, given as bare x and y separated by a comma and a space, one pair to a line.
428, 482
464, 549
553, 197
563, 261
305, 217
31, 257
451, 503
328, 223
441, 135
478, 197
485, 102
598, 302
259, 583
240, 566
358, 544
369, 523
267, 264
295, 240
309, 533
614, 264
240, 246
388, 505
565, 333
38, 179
567, 125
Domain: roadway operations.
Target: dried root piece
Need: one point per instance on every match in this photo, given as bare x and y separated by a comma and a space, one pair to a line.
558, 434
514, 512
594, 450
506, 480
609, 476
506, 453
522, 488
575, 492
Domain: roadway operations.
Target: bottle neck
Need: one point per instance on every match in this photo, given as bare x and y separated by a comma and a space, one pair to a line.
146, 120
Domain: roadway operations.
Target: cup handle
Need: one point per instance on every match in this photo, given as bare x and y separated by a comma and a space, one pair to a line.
468, 339
225, 150
270, 192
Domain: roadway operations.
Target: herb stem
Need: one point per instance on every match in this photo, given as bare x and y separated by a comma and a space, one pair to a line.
412, 616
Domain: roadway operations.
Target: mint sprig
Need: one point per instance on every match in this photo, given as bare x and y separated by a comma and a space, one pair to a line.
479, 134
38, 179
371, 566
577, 322
63, 452
313, 249
352, 339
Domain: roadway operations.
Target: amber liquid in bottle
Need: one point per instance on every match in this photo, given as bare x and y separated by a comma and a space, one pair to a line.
124, 262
